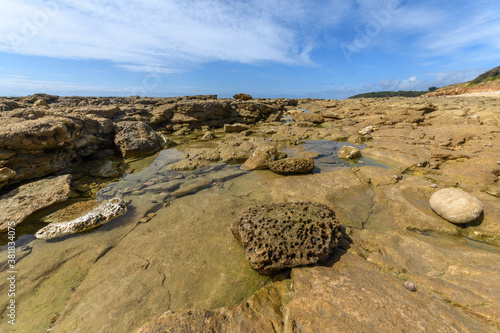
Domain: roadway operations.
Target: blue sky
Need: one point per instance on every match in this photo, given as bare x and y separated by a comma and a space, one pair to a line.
267, 48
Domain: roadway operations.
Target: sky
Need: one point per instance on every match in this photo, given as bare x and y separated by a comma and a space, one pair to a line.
267, 48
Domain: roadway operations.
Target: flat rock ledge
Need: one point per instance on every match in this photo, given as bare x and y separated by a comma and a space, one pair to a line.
20, 203
456, 205
105, 212
283, 235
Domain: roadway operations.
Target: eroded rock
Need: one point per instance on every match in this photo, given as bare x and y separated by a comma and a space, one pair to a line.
292, 165
103, 213
278, 236
136, 138
261, 158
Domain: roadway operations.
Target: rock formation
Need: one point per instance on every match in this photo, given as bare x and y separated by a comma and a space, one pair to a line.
278, 236
292, 165
349, 152
135, 138
103, 213
20, 203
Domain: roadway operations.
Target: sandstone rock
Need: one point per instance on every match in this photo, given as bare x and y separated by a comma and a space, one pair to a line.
456, 205
349, 152
309, 117
209, 135
292, 165
103, 213
243, 97
136, 138
6, 174
278, 236
261, 158
18, 204
235, 128
366, 130
332, 115
42, 133
40, 102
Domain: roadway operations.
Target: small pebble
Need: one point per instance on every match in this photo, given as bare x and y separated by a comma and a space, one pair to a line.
410, 286
144, 220
419, 165
498, 162
395, 177
151, 215
434, 185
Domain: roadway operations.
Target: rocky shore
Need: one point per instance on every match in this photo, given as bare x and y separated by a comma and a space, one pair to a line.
207, 188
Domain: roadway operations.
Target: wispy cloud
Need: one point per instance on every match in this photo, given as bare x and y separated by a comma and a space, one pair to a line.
166, 36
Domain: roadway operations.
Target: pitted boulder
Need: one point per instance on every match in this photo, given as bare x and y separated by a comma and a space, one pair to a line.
292, 165
284, 235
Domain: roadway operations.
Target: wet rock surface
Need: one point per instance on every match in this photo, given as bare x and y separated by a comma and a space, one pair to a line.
101, 214
18, 204
279, 236
37, 140
171, 262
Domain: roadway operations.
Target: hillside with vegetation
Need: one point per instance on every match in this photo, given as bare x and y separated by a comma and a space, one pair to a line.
379, 94
488, 82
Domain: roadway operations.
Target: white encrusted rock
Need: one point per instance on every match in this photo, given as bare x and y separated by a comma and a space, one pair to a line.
105, 212
349, 152
456, 205
365, 131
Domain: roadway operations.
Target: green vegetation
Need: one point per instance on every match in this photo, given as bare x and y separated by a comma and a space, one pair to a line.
400, 93
490, 75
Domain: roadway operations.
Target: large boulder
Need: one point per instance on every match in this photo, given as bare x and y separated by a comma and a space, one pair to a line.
284, 235
292, 165
18, 204
103, 213
135, 138
456, 205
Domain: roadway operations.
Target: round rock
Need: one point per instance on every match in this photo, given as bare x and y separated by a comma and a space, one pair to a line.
455, 205
284, 235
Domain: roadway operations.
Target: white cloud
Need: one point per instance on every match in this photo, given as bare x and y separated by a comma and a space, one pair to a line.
17, 85
165, 36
